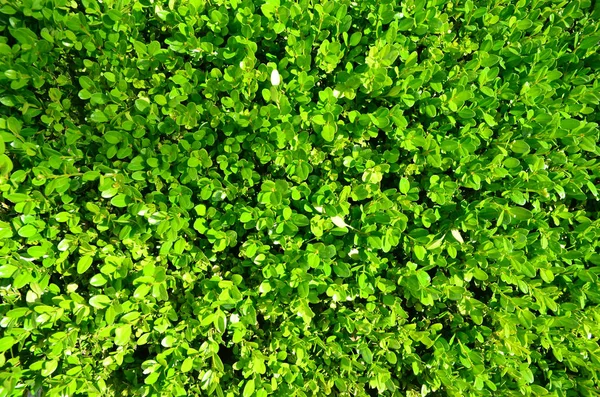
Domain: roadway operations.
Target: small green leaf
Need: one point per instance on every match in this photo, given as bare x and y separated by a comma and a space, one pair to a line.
98, 280
404, 186
590, 41
187, 364
27, 231
6, 165
98, 117
84, 264
328, 132
120, 200
520, 213
520, 147
91, 176
17, 197
592, 188
122, 335
355, 39
62, 216
220, 321
142, 104
8, 10
424, 278
479, 274
141, 291
112, 137
313, 260
6, 343
37, 251
152, 378
547, 275
420, 252
49, 367
569, 124
490, 120
64, 244
366, 354
466, 113
110, 76
168, 341
249, 388
99, 301
405, 23
435, 243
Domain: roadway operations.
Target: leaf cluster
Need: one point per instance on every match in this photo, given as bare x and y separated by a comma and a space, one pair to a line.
277, 197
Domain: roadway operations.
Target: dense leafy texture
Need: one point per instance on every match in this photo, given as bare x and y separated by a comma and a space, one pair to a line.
298, 198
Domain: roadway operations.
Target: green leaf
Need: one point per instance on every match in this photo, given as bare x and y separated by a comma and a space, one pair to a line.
592, 188
520, 147
6, 271
404, 186
120, 200
142, 104
547, 275
37, 251
435, 243
328, 132
6, 343
249, 388
49, 367
589, 42
112, 137
220, 321
91, 176
489, 120
168, 341
8, 10
98, 280
480, 274
466, 113
27, 231
84, 264
355, 39
152, 378
424, 278
520, 213
17, 197
366, 354
569, 124
98, 117
314, 260
6, 165
420, 252
99, 301
122, 335
141, 291
23, 35
430, 111
405, 24
187, 365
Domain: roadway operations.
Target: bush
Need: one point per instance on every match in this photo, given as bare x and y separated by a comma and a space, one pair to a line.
296, 198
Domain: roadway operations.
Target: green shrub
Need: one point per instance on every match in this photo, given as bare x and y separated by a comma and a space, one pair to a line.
298, 198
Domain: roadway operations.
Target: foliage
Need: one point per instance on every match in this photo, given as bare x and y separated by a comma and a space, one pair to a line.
254, 198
